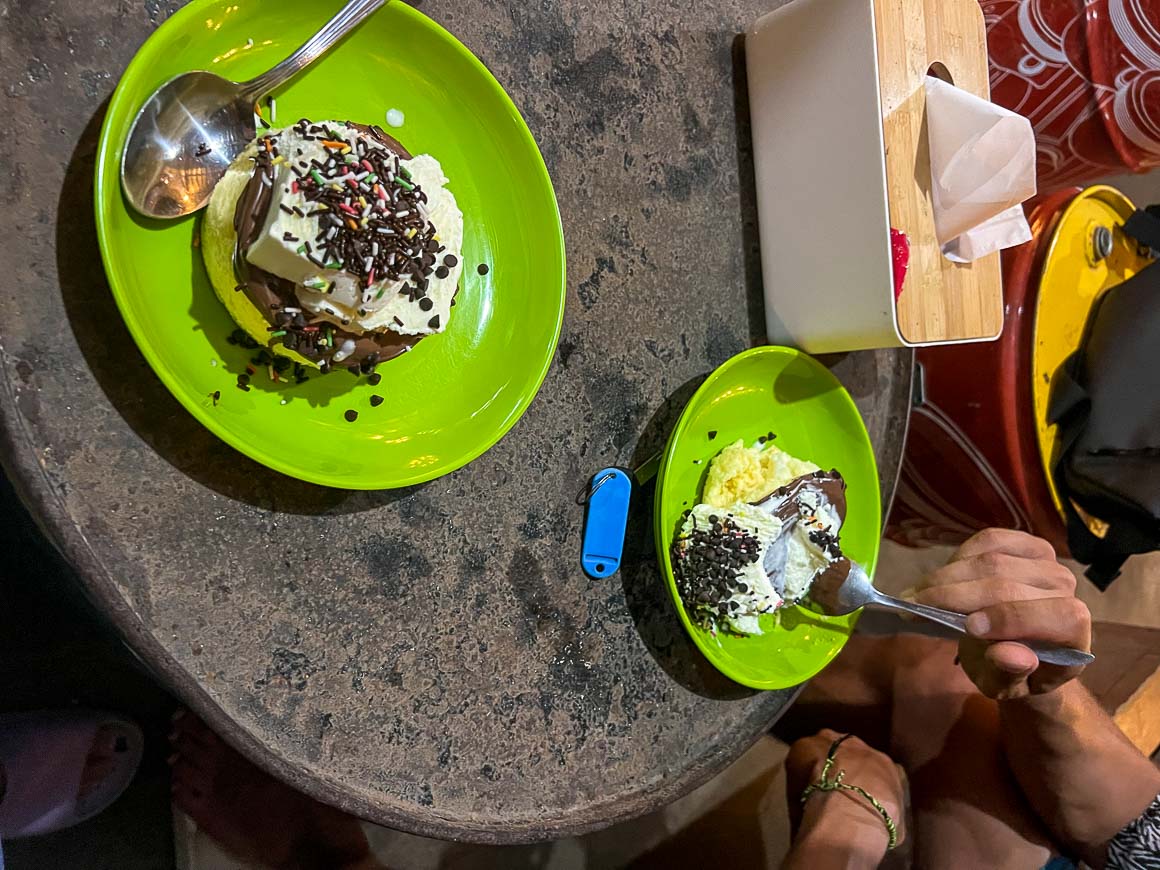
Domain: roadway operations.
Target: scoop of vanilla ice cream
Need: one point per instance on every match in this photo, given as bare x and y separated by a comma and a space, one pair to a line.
748, 474
792, 553
288, 246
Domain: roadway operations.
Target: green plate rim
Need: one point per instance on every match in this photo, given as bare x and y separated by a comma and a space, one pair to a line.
105, 187
699, 637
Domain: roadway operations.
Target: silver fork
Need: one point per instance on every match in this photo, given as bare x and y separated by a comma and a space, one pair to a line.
837, 594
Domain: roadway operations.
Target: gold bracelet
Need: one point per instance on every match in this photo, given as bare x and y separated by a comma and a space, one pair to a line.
826, 784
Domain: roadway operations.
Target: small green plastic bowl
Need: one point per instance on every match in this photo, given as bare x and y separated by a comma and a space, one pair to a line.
458, 392
791, 394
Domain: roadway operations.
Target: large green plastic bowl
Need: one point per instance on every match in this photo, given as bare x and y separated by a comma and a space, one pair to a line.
791, 394
457, 393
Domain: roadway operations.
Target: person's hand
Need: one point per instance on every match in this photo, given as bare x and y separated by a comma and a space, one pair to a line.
1012, 589
844, 815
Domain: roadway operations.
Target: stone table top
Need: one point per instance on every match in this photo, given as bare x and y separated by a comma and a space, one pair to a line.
295, 618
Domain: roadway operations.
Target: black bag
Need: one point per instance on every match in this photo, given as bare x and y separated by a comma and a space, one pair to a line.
1106, 400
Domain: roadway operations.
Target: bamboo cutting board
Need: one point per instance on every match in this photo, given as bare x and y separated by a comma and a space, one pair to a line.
941, 301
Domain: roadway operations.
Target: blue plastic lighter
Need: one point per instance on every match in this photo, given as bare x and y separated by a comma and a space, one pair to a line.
605, 521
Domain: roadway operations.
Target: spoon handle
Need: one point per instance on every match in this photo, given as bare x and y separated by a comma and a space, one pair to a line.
1052, 655
949, 618
349, 17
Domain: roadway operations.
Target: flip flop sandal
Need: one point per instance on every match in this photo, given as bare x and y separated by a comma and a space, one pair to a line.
43, 754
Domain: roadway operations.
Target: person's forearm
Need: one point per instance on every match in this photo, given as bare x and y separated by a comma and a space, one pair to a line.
1084, 778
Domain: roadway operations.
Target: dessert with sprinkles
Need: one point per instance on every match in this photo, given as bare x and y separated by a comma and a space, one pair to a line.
330, 244
769, 525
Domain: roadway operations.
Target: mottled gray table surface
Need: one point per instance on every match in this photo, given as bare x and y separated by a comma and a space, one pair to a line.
297, 619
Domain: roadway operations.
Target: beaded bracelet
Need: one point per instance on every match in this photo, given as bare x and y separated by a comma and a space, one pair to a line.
826, 784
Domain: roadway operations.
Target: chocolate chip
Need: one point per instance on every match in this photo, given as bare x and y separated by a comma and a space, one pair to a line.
426, 304
712, 434
442, 272
376, 400
355, 369
483, 269
351, 416
433, 323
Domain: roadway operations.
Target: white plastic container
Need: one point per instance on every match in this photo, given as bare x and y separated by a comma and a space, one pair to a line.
826, 92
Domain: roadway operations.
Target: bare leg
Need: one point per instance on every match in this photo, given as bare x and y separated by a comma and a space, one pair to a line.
968, 809
255, 817
903, 694
854, 695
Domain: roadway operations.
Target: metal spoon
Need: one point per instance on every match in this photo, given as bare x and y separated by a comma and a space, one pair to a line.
194, 125
838, 593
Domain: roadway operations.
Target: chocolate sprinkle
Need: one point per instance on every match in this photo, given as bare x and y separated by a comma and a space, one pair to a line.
393, 225
707, 565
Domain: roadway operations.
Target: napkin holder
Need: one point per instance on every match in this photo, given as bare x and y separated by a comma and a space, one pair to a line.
841, 155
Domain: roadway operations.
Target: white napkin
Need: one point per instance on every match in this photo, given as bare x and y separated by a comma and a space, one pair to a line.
982, 165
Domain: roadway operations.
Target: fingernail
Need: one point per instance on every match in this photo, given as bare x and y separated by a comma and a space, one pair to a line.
910, 595
978, 624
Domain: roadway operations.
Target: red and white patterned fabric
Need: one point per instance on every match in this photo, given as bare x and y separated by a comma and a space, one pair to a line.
1087, 76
